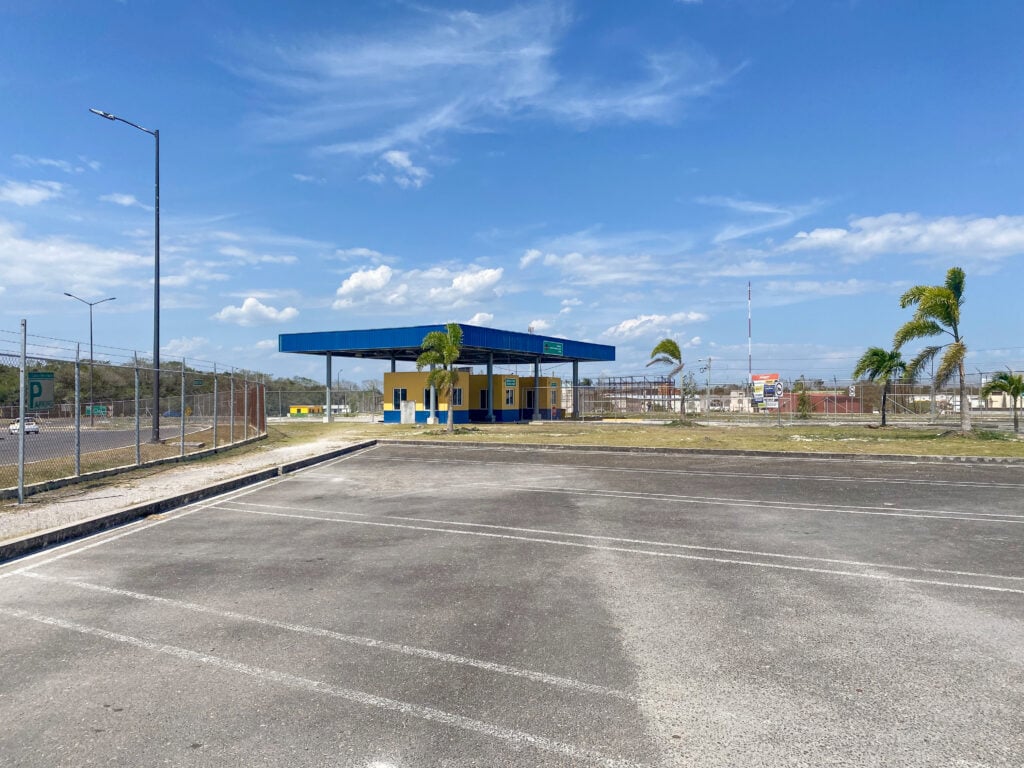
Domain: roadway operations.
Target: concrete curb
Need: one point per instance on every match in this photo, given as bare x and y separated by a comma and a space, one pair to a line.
894, 457
15, 548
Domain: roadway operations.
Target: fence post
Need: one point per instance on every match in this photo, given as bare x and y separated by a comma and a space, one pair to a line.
138, 423
214, 405
232, 403
181, 413
78, 410
245, 408
21, 414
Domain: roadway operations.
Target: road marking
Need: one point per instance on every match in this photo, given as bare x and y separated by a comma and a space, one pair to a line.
887, 511
649, 553
264, 675
707, 473
649, 542
367, 642
74, 547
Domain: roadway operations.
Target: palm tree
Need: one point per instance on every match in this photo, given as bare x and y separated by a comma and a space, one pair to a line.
937, 313
443, 350
667, 352
1012, 384
879, 365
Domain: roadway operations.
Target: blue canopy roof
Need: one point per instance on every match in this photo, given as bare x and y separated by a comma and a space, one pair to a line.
478, 344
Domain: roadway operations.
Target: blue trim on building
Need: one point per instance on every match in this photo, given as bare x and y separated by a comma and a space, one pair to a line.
478, 344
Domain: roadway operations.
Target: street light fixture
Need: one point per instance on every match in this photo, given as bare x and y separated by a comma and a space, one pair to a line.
92, 405
156, 273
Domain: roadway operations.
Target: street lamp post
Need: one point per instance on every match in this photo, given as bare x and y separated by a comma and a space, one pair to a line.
92, 406
156, 274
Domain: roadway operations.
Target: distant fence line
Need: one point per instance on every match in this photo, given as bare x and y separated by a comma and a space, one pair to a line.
84, 416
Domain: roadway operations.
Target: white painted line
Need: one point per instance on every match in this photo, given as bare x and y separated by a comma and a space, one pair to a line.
652, 543
982, 517
708, 473
367, 642
727, 458
649, 553
270, 676
74, 547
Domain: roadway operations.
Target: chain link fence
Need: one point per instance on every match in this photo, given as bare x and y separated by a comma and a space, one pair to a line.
346, 403
84, 416
659, 398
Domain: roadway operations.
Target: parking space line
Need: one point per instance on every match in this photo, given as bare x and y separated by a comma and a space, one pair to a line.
367, 642
265, 675
652, 543
633, 551
936, 514
69, 548
711, 473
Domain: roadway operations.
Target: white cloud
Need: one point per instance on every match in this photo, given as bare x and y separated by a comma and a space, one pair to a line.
459, 71
366, 280
529, 257
254, 312
245, 256
367, 254
31, 193
481, 318
184, 347
307, 179
910, 233
405, 173
538, 326
128, 201
762, 217
270, 344
56, 264
642, 325
568, 305
25, 161
433, 287
466, 286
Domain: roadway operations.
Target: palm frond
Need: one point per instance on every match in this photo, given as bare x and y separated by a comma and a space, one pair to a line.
915, 328
668, 348
950, 363
955, 283
913, 369
1004, 381
913, 295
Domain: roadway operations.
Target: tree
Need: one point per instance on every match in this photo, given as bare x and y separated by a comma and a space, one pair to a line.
667, 352
442, 350
937, 313
879, 365
1012, 384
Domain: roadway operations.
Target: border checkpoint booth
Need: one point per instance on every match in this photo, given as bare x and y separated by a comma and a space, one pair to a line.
482, 397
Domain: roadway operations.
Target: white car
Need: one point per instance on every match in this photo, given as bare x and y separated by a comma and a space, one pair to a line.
31, 427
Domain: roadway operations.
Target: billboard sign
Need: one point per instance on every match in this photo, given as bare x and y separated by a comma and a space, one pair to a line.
767, 390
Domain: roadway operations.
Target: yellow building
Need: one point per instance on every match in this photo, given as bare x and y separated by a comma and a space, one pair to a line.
516, 398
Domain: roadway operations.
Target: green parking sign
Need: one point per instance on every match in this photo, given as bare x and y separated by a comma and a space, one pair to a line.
40, 390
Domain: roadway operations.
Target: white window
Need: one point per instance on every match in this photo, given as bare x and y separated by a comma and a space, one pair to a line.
397, 396
510, 397
457, 397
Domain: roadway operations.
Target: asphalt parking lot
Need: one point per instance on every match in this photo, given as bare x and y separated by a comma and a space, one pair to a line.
413, 606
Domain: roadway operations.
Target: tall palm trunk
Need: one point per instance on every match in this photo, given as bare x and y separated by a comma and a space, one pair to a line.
965, 402
885, 397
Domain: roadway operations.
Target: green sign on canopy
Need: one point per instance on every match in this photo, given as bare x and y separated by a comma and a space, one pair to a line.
552, 347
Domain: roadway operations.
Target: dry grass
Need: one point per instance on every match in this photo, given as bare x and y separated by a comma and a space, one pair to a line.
925, 441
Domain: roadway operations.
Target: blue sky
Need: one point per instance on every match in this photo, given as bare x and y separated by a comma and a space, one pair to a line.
607, 171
